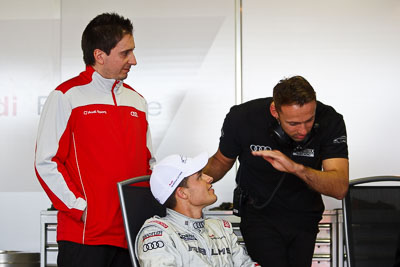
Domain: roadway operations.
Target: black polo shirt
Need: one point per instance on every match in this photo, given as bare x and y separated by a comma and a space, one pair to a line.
249, 127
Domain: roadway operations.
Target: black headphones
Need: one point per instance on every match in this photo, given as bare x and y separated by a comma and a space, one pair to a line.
284, 140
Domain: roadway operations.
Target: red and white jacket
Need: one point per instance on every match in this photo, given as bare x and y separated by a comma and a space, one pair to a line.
93, 133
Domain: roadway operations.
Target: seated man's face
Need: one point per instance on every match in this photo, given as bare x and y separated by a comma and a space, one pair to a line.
199, 190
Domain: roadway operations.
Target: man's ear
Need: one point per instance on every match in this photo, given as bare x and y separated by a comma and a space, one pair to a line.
99, 56
181, 193
273, 110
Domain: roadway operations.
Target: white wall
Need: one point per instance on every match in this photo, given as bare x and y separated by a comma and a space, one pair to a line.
185, 53
348, 50
29, 68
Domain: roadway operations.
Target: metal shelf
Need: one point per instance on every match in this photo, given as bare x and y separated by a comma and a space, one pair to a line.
328, 248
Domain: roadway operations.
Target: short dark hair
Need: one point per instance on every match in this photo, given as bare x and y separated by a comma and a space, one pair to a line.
171, 201
294, 90
104, 32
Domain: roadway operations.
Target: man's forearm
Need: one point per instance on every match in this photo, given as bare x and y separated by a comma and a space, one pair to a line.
333, 183
215, 169
218, 166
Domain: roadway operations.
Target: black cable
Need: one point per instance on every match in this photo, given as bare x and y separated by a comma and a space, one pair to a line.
259, 207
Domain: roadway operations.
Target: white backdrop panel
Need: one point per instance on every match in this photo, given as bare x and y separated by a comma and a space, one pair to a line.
349, 52
185, 53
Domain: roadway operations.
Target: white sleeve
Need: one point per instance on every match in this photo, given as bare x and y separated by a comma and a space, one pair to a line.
239, 253
51, 153
154, 247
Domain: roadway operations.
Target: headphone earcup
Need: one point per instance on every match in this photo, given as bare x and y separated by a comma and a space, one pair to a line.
281, 136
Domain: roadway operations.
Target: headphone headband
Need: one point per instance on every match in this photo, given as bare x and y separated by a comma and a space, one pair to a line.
285, 140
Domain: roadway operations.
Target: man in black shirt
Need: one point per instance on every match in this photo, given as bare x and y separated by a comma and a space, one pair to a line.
291, 149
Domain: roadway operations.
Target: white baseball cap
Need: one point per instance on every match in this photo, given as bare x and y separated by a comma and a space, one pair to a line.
170, 171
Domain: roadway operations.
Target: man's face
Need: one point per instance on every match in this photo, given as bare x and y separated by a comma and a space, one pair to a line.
121, 58
199, 190
297, 121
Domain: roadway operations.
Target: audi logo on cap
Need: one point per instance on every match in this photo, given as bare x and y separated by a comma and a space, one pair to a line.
153, 245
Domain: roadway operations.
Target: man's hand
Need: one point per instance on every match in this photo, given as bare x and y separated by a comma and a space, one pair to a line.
278, 160
83, 218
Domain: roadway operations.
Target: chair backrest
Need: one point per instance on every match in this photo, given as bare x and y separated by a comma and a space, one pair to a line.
371, 213
137, 205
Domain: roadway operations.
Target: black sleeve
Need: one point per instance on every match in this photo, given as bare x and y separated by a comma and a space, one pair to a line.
229, 143
334, 143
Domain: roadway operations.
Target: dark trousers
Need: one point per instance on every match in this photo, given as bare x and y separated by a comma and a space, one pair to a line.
276, 244
72, 254
397, 256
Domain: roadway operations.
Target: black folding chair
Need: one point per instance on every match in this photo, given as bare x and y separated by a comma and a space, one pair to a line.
137, 205
371, 213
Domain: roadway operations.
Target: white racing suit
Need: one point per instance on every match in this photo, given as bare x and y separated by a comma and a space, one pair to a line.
177, 240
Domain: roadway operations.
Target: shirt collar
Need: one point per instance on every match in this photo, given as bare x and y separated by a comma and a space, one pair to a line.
186, 222
103, 84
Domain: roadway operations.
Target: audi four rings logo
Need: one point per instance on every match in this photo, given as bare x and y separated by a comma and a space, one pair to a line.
259, 147
153, 245
134, 114
197, 225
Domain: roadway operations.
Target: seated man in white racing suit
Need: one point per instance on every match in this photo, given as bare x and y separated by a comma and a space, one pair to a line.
183, 237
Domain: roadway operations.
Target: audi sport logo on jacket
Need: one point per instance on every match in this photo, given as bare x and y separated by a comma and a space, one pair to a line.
152, 234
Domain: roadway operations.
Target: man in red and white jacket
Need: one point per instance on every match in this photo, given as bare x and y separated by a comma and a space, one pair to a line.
93, 133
